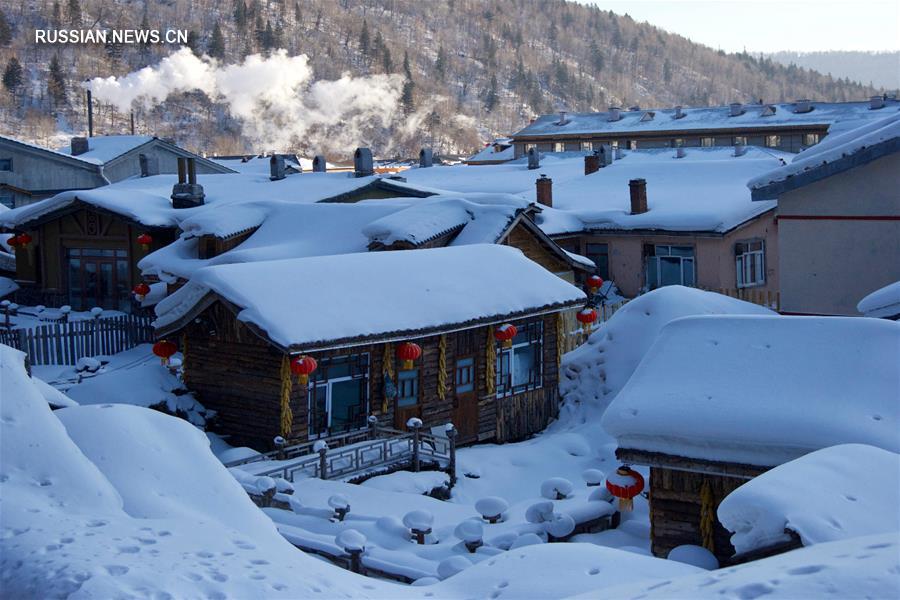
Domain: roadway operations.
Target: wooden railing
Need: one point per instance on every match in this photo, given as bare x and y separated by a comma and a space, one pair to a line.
766, 298
575, 334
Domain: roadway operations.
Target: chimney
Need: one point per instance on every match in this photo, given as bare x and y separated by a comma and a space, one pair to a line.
363, 165
740, 149
544, 187
562, 118
615, 113
635, 108
132, 122
679, 113
276, 167
187, 193
79, 146
679, 152
736, 109
592, 163
534, 158
619, 153
876, 102
638, 189
426, 158
319, 165
90, 111
802, 106
606, 155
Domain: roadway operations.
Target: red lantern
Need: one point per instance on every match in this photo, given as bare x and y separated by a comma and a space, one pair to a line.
594, 283
164, 349
13, 241
23, 239
586, 317
140, 291
625, 484
505, 334
408, 353
303, 367
145, 239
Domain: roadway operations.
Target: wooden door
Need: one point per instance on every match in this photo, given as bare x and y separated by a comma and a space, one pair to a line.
407, 404
465, 400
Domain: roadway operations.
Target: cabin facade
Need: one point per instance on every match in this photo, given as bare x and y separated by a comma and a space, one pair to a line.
239, 366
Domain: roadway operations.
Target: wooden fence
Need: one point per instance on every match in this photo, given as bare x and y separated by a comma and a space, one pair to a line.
575, 334
65, 343
766, 298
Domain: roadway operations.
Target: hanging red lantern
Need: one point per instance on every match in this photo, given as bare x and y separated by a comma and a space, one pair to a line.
594, 283
23, 239
140, 291
164, 349
13, 241
587, 317
303, 367
145, 239
408, 353
505, 334
625, 484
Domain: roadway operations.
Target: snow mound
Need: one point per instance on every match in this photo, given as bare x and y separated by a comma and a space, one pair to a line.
856, 490
694, 555
882, 303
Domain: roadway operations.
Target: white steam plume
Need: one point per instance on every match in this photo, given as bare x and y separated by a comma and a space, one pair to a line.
276, 98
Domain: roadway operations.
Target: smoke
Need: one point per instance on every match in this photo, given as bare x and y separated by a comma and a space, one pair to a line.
276, 98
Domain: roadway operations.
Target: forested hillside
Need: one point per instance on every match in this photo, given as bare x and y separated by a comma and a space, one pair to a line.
392, 73
880, 69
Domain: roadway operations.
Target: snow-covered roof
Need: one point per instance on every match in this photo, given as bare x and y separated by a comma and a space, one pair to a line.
147, 200
104, 148
837, 115
882, 303
834, 154
317, 302
761, 390
497, 151
255, 164
856, 490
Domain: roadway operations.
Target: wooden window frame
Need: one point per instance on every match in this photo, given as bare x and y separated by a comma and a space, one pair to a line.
744, 257
534, 337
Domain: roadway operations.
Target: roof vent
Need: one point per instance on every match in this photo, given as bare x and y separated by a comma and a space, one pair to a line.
615, 113
679, 113
187, 193
648, 116
562, 118
803, 106
79, 145
735, 109
768, 110
876, 102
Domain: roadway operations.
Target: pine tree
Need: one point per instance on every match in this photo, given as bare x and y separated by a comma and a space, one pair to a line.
386, 60
193, 42
407, 99
56, 15
13, 76
216, 47
73, 13
240, 14
440, 64
298, 14
5, 30
596, 57
56, 82
406, 68
491, 98
364, 42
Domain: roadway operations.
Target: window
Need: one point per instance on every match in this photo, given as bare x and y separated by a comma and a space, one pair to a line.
587, 147
519, 368
559, 147
530, 146
750, 263
707, 142
739, 139
5, 164
339, 394
7, 199
465, 375
773, 141
810, 139
614, 144
632, 144
599, 253
678, 143
408, 388
669, 265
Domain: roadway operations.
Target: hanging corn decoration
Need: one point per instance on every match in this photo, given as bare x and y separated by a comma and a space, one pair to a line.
287, 416
560, 338
442, 367
387, 371
707, 516
490, 367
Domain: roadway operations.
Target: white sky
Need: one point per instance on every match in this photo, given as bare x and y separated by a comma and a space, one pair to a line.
772, 25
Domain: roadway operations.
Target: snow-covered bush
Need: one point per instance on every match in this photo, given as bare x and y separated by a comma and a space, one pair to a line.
539, 513
470, 532
419, 523
341, 505
453, 565
593, 477
697, 556
556, 488
560, 525
601, 494
491, 508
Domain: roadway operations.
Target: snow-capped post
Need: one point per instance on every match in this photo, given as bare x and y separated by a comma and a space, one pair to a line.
556, 488
279, 447
354, 544
6, 323
471, 533
426, 158
341, 505
321, 446
451, 442
65, 310
491, 508
415, 424
419, 523
593, 477
625, 484
372, 421
319, 164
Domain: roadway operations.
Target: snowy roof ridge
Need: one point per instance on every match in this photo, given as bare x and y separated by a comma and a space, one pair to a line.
409, 293
103, 149
419, 223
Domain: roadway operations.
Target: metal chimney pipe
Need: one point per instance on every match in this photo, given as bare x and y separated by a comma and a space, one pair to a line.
182, 170
191, 171
132, 122
90, 111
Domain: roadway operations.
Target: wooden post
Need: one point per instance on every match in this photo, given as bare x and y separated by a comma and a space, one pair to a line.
279, 447
451, 465
6, 322
355, 560
373, 427
415, 449
323, 465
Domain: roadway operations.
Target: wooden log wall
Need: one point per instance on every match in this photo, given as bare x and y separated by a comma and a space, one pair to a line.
675, 510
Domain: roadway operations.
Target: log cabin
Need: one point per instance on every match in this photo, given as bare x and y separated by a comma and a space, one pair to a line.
719, 400
241, 325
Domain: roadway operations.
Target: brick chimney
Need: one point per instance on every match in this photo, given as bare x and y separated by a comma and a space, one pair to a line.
79, 145
591, 163
187, 193
638, 189
544, 187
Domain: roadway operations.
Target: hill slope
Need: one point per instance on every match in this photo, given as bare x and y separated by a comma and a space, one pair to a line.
450, 73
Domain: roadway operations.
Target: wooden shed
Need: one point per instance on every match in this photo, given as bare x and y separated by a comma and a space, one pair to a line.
240, 327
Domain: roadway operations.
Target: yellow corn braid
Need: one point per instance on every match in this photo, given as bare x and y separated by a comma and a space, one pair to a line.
707, 516
442, 368
560, 338
287, 416
490, 368
387, 370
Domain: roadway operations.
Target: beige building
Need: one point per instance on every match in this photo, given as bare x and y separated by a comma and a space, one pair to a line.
838, 220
